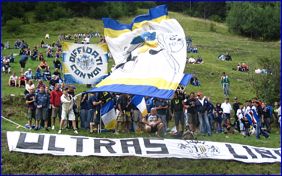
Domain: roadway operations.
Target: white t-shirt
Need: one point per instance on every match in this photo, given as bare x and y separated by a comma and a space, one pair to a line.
226, 108
28, 87
14, 78
152, 118
239, 114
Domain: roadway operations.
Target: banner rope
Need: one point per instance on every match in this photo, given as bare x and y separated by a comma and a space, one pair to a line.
18, 125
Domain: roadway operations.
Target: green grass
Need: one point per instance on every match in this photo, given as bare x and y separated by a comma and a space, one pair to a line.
210, 45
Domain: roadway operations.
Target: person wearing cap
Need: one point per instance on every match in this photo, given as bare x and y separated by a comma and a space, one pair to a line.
28, 74
202, 106
225, 84
67, 110
177, 111
226, 106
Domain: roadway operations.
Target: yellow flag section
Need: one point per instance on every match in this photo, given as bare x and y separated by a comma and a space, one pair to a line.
149, 54
108, 115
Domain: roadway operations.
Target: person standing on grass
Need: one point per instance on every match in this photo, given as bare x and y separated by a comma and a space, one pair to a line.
177, 111
67, 110
30, 100
42, 101
225, 82
226, 106
55, 100
202, 106
161, 106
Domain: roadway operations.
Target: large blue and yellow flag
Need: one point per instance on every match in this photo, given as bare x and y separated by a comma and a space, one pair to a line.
149, 54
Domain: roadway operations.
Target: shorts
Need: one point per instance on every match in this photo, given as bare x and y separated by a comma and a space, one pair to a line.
41, 113
31, 114
70, 115
124, 118
56, 112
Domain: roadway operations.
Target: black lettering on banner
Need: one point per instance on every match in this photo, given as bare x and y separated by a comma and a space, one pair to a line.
79, 143
95, 54
72, 59
135, 144
278, 152
163, 148
82, 75
231, 150
79, 50
30, 145
99, 61
265, 153
108, 145
52, 147
73, 67
250, 152
74, 53
96, 71
88, 50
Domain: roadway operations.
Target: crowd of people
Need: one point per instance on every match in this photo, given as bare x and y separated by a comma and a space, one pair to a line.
195, 113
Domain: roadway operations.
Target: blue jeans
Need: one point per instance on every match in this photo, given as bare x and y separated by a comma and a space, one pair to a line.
204, 123
225, 89
83, 118
259, 131
210, 117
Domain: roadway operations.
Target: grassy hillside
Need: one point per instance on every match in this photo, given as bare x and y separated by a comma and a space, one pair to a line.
210, 44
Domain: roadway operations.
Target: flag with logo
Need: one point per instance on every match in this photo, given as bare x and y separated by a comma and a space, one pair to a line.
139, 102
84, 63
108, 115
149, 54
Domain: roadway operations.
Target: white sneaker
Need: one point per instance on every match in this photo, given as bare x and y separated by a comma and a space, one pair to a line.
60, 131
53, 127
75, 132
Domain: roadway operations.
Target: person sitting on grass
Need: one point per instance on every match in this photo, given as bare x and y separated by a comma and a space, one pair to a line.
13, 80
49, 52
34, 53
38, 74
43, 65
57, 72
153, 123
57, 64
28, 74
40, 57
6, 68
22, 80
47, 74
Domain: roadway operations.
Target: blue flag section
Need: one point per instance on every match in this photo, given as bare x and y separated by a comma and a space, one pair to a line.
149, 54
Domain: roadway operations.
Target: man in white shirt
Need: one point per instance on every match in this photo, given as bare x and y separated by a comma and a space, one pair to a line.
67, 110
226, 107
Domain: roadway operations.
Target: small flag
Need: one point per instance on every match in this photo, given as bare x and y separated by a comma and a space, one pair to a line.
108, 115
139, 102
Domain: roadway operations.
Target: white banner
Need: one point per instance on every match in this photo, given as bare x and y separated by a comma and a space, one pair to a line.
143, 147
149, 54
84, 63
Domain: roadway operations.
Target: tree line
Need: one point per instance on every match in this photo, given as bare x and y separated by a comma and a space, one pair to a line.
258, 20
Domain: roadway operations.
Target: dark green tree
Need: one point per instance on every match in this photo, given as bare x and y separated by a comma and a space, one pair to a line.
260, 20
267, 86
